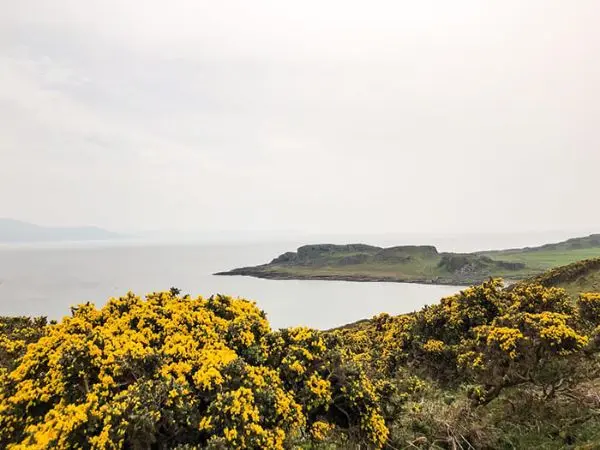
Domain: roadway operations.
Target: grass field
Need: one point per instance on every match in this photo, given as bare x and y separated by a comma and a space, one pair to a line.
545, 259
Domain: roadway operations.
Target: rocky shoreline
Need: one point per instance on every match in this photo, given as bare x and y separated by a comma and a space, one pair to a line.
273, 275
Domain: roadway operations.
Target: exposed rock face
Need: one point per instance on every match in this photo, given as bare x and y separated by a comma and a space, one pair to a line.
315, 254
359, 258
509, 265
468, 264
286, 258
353, 254
320, 250
461, 263
405, 253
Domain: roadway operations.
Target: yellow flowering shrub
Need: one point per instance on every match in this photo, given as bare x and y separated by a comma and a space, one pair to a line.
555, 332
169, 370
589, 307
532, 341
485, 335
357, 404
328, 384
15, 334
536, 299
379, 345
457, 315
320, 430
504, 339
433, 346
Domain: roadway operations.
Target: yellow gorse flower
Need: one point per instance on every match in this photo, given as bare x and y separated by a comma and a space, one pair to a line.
186, 370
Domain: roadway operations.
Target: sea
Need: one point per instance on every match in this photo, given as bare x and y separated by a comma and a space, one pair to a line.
46, 279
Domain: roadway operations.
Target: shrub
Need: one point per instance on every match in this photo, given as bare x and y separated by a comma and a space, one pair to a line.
15, 334
173, 371
589, 307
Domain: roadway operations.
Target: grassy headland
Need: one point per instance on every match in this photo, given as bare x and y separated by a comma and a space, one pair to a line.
420, 264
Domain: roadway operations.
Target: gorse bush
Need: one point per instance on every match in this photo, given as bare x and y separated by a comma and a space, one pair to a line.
470, 353
170, 370
589, 307
488, 367
15, 334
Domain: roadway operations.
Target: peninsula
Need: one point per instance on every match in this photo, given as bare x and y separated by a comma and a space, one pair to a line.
420, 263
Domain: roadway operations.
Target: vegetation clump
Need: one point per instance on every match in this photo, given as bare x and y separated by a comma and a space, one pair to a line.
170, 370
488, 367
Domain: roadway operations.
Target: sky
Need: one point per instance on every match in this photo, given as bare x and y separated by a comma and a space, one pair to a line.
315, 116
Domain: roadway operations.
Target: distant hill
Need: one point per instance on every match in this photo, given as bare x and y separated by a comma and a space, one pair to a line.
578, 243
17, 231
421, 264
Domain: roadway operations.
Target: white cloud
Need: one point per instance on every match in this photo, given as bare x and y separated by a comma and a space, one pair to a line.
325, 116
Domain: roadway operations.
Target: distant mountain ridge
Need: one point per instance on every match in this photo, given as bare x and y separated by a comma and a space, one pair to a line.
17, 231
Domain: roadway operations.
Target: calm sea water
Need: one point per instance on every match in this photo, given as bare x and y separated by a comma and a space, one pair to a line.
46, 280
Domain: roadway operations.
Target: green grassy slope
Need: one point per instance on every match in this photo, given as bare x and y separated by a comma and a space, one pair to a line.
581, 276
544, 259
359, 262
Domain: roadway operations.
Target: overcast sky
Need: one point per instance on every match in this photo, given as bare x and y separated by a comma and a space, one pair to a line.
319, 116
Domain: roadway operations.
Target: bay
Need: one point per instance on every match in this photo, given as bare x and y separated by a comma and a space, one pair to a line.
48, 279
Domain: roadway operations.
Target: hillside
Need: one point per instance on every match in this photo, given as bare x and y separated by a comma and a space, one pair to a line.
419, 264
581, 276
17, 231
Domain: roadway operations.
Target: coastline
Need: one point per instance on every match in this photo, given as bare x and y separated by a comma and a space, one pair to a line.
273, 275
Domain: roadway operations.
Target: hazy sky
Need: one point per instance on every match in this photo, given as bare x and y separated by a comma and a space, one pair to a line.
307, 115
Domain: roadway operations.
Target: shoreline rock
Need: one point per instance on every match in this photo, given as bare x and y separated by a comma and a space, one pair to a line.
272, 275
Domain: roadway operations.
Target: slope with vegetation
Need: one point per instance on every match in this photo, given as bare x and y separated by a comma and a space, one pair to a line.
580, 276
422, 264
490, 367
